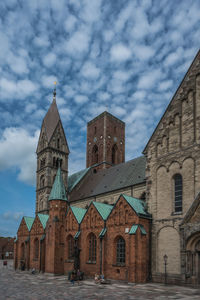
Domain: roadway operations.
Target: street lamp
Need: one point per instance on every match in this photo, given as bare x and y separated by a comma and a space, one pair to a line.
165, 257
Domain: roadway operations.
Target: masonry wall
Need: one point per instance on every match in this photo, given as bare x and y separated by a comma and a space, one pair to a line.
111, 197
174, 149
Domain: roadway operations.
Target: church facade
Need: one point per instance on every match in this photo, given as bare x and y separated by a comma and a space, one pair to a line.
122, 217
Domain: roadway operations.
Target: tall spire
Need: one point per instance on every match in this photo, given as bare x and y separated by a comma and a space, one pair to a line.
58, 191
52, 117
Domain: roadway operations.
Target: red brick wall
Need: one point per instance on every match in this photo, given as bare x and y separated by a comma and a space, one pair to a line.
105, 131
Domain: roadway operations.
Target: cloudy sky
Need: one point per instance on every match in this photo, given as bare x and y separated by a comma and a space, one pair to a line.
127, 57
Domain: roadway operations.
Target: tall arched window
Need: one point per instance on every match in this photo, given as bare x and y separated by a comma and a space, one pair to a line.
70, 247
36, 248
42, 181
120, 257
92, 248
178, 192
22, 251
95, 155
114, 154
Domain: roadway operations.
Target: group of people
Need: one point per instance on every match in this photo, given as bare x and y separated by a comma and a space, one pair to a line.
75, 275
99, 278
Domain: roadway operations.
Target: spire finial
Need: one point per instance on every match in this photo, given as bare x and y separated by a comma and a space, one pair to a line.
54, 91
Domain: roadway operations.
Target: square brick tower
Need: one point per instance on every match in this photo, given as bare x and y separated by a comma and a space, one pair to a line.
105, 141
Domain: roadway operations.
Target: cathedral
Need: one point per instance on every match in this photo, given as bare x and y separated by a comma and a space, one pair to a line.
136, 220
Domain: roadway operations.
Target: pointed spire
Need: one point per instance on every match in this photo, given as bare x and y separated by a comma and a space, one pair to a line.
52, 117
58, 191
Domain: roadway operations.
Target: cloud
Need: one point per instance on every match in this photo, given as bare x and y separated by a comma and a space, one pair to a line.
8, 215
18, 147
49, 60
78, 43
89, 70
48, 81
80, 99
17, 89
120, 52
148, 80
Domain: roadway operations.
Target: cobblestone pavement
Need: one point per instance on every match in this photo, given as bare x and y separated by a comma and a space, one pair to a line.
23, 285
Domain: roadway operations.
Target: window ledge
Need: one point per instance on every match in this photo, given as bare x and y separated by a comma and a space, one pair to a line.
119, 265
175, 213
91, 262
69, 260
35, 259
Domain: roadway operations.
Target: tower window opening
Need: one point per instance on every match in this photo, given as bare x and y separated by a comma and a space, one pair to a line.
95, 130
95, 155
114, 154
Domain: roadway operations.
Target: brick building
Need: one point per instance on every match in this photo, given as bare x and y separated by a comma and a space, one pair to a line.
6, 248
123, 217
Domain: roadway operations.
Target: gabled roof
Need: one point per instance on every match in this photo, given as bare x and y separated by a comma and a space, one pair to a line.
78, 213
135, 227
103, 209
43, 219
197, 57
58, 191
137, 205
114, 178
29, 222
75, 178
51, 119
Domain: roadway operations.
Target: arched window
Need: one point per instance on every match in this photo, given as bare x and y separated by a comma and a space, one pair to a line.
22, 251
70, 246
36, 248
178, 192
58, 143
92, 248
114, 154
120, 257
143, 196
54, 162
95, 155
42, 181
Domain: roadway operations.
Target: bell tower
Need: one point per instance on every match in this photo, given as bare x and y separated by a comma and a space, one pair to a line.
52, 150
105, 141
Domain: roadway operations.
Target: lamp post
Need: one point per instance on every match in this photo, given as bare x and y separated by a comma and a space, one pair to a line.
165, 257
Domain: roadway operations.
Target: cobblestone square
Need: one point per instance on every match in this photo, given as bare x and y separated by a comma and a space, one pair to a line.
23, 285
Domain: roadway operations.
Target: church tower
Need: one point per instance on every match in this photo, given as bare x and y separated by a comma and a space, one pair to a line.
105, 141
52, 148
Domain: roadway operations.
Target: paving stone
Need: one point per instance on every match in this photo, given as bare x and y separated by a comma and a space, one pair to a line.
23, 285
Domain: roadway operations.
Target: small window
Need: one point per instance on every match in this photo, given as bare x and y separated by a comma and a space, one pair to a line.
92, 248
178, 193
120, 251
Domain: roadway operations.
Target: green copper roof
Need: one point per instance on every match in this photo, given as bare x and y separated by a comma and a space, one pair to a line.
103, 232
74, 179
43, 219
29, 222
135, 227
103, 209
137, 205
78, 213
58, 191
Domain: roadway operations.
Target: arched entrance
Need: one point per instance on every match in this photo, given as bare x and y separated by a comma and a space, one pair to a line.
193, 258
